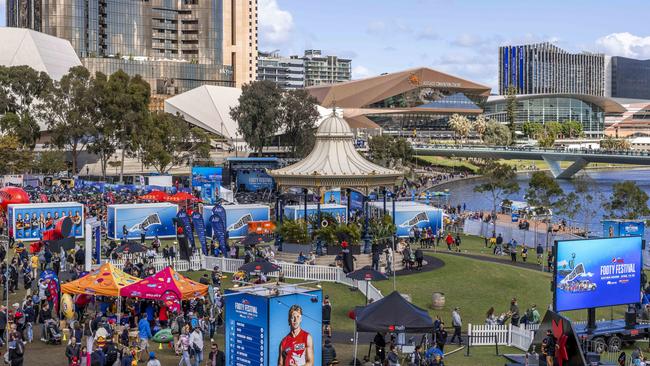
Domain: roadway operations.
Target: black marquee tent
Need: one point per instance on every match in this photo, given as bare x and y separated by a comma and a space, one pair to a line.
393, 313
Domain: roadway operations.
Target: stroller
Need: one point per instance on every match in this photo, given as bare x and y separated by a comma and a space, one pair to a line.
52, 332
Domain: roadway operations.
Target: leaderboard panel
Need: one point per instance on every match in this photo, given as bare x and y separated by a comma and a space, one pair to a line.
246, 332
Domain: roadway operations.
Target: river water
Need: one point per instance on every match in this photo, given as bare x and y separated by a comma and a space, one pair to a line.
462, 192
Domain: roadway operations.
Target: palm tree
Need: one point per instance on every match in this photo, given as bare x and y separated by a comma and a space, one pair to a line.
480, 125
460, 125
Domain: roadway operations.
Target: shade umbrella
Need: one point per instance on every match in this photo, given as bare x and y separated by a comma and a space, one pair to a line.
181, 196
254, 238
131, 247
154, 196
367, 274
259, 266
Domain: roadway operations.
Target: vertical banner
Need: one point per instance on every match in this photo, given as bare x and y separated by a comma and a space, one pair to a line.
199, 228
187, 228
98, 243
219, 232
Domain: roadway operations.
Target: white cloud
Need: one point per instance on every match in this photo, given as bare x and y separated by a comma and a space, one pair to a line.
275, 24
427, 34
360, 72
625, 44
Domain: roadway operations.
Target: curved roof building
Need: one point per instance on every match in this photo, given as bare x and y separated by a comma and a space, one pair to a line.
419, 100
587, 109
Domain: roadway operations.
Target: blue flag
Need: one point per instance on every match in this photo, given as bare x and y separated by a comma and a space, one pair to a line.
219, 232
199, 228
187, 227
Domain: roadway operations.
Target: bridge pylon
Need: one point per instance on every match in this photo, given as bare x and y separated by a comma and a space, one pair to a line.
558, 172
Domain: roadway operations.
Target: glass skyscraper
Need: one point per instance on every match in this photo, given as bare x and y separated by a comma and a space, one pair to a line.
630, 78
174, 45
545, 68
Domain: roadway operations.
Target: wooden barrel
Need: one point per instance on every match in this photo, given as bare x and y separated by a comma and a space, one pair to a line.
438, 300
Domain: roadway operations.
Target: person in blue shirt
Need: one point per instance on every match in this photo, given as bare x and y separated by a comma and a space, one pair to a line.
144, 333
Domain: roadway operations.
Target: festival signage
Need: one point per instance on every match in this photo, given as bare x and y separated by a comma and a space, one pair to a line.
247, 330
199, 228
614, 228
411, 214
184, 219
154, 219
594, 273
208, 180
218, 226
295, 212
237, 218
28, 221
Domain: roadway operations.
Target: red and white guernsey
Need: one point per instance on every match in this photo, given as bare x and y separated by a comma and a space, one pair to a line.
294, 348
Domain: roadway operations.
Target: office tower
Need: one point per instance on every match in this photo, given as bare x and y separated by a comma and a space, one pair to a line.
628, 78
287, 72
544, 68
240, 39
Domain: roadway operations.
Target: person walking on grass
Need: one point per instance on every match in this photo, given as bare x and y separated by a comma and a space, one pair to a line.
457, 323
449, 240
457, 242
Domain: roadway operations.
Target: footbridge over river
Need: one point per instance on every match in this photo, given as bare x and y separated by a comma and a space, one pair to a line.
579, 158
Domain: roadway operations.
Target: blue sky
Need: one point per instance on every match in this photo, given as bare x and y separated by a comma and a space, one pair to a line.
460, 37
456, 36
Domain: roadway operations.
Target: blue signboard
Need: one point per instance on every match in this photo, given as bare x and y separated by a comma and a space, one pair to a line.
155, 219
301, 313
515, 217
199, 228
208, 180
406, 219
613, 228
238, 217
333, 197
597, 272
28, 221
356, 201
254, 180
247, 329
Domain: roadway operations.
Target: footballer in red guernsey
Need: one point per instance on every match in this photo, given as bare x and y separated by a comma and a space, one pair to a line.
297, 347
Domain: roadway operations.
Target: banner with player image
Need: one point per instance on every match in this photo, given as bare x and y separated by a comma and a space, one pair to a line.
29, 221
296, 320
155, 219
593, 273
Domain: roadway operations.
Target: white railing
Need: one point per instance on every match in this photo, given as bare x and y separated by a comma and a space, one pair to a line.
301, 272
195, 263
503, 335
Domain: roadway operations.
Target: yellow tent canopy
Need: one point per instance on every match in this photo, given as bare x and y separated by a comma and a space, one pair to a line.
106, 280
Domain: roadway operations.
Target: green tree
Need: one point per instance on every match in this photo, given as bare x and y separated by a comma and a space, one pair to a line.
50, 162
610, 143
299, 116
543, 193
511, 111
15, 158
69, 111
571, 129
554, 128
499, 180
531, 129
168, 140
580, 204
104, 141
388, 150
628, 201
21, 88
258, 113
497, 134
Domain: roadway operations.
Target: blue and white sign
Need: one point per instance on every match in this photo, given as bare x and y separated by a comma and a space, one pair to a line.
238, 217
295, 212
28, 221
208, 180
411, 214
613, 228
247, 329
155, 219
594, 273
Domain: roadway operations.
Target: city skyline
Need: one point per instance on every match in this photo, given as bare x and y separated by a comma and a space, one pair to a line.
382, 36
460, 37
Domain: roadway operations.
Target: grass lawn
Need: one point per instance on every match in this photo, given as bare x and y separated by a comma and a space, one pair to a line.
449, 162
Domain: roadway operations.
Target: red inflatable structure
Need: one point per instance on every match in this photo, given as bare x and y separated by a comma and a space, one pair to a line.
12, 195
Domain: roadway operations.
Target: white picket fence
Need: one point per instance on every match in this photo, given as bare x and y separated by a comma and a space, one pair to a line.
303, 272
503, 335
231, 265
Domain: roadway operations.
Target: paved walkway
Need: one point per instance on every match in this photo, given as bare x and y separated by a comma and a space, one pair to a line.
485, 258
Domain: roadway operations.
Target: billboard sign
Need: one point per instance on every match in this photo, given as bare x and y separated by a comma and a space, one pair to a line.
237, 218
591, 273
246, 329
29, 221
155, 219
208, 180
614, 228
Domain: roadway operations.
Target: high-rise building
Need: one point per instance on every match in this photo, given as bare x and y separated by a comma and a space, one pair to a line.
175, 46
287, 72
628, 78
240, 39
321, 69
544, 68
